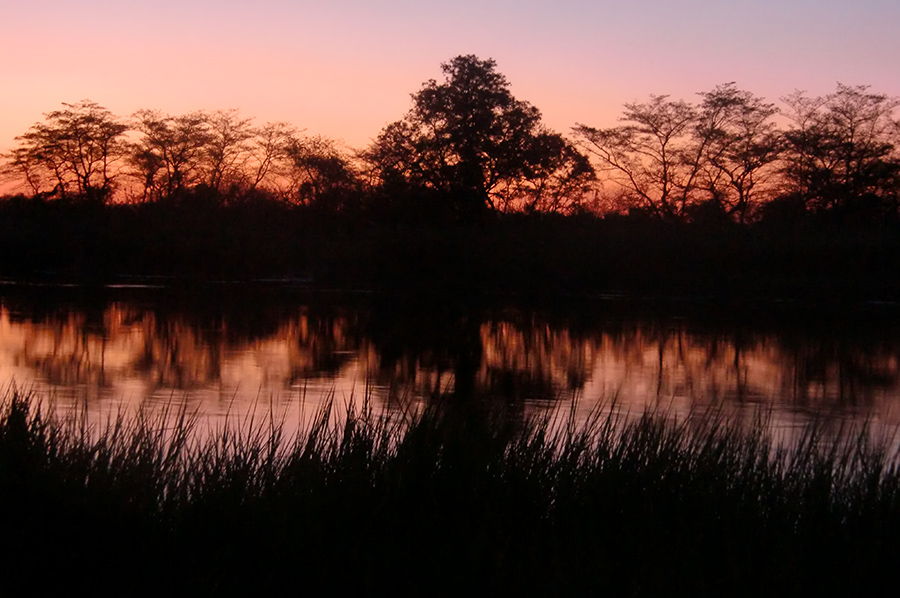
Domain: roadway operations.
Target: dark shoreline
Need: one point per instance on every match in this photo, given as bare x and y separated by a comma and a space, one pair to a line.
537, 256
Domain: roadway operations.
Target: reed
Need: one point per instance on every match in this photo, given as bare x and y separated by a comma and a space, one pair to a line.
456, 497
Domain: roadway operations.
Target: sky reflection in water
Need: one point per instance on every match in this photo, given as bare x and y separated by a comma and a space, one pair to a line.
132, 348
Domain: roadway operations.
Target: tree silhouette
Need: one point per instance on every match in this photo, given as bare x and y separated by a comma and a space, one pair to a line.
556, 178
467, 146
471, 140
649, 157
320, 173
841, 149
228, 148
678, 160
74, 150
268, 152
740, 146
169, 156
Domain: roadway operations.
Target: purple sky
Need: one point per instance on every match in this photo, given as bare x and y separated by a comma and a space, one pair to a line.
345, 68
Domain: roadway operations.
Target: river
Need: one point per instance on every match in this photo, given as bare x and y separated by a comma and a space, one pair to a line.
229, 350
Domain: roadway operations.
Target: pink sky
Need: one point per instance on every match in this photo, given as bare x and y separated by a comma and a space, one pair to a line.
345, 68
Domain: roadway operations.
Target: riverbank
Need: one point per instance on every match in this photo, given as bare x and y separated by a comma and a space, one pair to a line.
412, 253
457, 498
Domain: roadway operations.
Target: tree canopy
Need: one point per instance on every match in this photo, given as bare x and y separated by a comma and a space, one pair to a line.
672, 158
72, 151
842, 149
467, 147
470, 140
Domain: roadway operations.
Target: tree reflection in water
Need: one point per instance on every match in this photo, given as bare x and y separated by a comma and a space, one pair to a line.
221, 348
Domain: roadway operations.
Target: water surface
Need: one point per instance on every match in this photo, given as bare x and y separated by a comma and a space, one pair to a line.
230, 349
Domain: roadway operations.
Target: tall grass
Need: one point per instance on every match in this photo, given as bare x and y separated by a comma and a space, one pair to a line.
455, 498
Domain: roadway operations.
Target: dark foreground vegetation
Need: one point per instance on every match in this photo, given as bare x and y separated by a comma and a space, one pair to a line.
459, 499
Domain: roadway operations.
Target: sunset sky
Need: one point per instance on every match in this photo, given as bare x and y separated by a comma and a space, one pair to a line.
345, 68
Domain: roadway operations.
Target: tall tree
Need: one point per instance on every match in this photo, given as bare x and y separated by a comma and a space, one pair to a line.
841, 148
228, 148
74, 149
169, 155
740, 146
268, 154
671, 157
469, 139
650, 157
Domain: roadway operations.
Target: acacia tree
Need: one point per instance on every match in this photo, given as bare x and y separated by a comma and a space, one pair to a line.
740, 146
23, 167
268, 155
841, 148
169, 156
671, 157
470, 140
650, 157
227, 149
74, 149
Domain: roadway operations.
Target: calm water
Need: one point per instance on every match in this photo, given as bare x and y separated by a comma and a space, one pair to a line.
228, 349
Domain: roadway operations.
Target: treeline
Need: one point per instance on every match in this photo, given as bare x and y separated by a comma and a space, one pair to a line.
470, 192
468, 148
